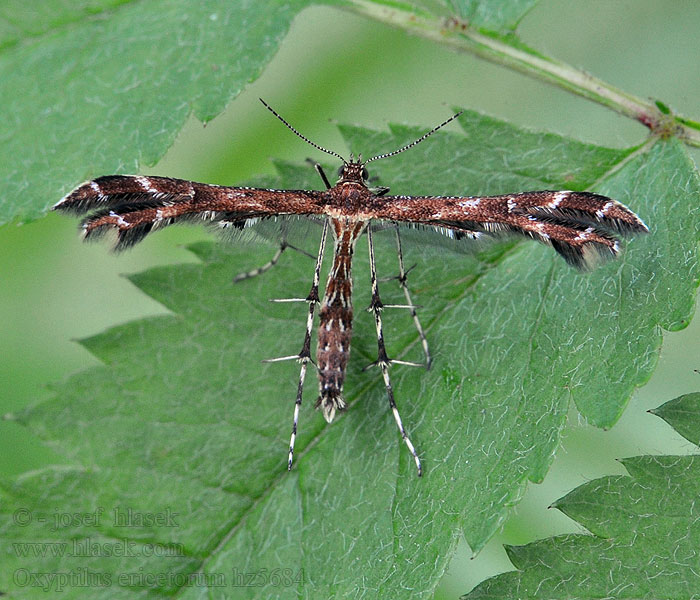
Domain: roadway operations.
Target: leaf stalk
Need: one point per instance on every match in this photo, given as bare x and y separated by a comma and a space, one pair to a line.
457, 34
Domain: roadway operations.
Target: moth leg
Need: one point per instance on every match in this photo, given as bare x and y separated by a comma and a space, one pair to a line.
383, 360
402, 278
380, 190
403, 275
260, 270
320, 171
304, 357
271, 263
284, 245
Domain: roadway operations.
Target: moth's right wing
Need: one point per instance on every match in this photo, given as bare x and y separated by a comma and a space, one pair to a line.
582, 227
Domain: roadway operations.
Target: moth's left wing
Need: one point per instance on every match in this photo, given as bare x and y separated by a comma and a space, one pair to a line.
582, 227
136, 205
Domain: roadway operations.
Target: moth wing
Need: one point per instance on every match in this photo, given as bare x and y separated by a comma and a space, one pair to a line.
582, 227
134, 206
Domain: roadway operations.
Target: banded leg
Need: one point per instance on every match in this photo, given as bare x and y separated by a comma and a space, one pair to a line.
304, 357
403, 274
271, 263
284, 245
383, 360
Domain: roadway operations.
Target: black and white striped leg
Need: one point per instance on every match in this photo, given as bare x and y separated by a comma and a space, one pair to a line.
383, 360
403, 274
260, 270
304, 357
271, 263
305, 354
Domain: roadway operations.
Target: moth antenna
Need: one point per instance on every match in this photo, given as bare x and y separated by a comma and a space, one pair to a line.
415, 142
303, 137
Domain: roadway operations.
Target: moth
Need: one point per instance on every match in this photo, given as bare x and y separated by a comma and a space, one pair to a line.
581, 227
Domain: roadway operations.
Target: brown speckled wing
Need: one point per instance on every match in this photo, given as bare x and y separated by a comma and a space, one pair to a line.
582, 227
134, 206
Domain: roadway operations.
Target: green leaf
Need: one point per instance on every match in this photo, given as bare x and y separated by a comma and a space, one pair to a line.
645, 534
183, 417
683, 414
87, 94
21, 20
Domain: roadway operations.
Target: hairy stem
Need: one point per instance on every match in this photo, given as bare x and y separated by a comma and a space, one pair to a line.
456, 34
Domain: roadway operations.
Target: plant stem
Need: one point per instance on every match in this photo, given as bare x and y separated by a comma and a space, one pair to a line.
457, 34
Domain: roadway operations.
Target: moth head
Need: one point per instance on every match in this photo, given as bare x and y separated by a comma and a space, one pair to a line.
353, 171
